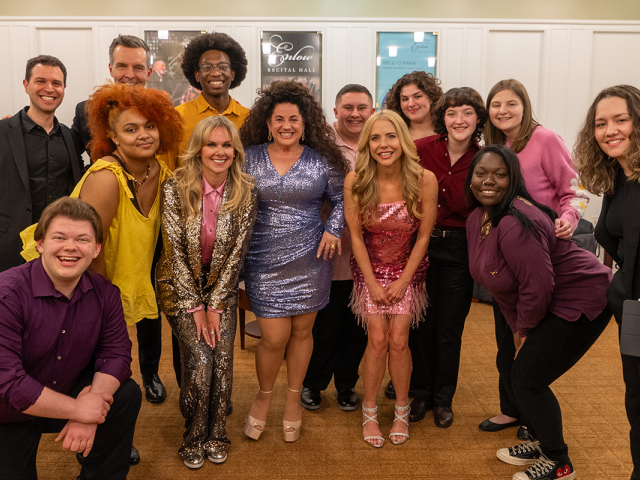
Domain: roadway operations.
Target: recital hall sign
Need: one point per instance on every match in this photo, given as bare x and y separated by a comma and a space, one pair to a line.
292, 55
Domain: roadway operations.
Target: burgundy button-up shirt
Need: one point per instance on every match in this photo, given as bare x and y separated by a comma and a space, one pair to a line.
47, 339
453, 209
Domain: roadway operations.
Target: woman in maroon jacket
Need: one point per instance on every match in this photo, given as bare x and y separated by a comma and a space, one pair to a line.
552, 293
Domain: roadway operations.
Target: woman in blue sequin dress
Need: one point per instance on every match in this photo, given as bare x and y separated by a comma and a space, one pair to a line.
291, 152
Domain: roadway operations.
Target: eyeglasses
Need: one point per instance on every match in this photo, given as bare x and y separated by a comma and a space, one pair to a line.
222, 67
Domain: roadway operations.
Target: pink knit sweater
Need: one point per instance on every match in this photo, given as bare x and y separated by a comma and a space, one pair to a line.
548, 171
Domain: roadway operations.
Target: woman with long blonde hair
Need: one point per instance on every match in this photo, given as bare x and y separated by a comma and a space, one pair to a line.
208, 209
390, 208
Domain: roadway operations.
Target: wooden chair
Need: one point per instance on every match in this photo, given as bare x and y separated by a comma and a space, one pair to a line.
251, 329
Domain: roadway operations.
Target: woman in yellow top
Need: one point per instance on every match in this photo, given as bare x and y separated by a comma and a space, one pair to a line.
128, 126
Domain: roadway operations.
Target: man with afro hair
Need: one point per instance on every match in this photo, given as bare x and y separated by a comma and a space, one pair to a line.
213, 63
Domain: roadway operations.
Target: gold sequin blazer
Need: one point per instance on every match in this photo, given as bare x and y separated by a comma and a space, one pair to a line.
179, 282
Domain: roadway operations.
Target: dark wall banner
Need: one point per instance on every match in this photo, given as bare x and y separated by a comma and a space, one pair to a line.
293, 55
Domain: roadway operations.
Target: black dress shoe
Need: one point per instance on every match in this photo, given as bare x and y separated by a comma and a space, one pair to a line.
419, 409
442, 417
230, 408
135, 456
154, 391
525, 434
389, 391
489, 426
348, 399
310, 399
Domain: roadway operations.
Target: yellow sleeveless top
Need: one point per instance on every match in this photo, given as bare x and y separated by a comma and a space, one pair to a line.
129, 247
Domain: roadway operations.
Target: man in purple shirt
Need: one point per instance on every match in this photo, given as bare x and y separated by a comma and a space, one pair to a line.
65, 353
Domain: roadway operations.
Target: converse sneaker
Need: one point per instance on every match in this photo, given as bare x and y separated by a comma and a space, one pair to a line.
545, 469
526, 453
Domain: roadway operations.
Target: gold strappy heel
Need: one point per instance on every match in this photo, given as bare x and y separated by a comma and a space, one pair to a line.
294, 433
374, 419
250, 424
403, 419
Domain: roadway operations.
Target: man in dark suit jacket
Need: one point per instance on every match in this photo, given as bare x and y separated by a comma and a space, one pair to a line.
129, 63
38, 160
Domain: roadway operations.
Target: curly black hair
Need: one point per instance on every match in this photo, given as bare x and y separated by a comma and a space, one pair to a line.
457, 97
318, 134
426, 82
214, 41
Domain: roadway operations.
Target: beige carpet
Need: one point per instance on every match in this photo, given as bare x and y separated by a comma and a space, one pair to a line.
331, 445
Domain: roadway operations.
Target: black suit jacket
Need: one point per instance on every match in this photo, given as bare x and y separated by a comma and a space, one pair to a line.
631, 235
80, 131
15, 194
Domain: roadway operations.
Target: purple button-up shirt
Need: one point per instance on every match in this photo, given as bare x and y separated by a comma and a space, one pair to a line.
46, 339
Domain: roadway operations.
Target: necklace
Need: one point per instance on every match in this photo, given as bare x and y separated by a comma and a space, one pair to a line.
485, 227
135, 180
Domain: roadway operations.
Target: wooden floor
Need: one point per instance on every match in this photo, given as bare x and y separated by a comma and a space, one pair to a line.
331, 445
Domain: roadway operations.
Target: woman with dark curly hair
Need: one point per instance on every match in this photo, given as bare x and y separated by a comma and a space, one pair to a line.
607, 155
412, 98
292, 153
459, 119
213, 63
128, 126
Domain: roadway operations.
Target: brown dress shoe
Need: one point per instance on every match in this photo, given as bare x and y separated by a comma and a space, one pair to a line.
442, 417
419, 409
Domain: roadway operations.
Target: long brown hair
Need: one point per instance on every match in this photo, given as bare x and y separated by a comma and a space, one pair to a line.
365, 187
597, 170
426, 82
493, 134
189, 175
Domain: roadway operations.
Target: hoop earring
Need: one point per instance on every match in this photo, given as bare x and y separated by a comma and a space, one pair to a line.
269, 137
302, 138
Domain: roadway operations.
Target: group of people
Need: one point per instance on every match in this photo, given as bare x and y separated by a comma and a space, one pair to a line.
346, 236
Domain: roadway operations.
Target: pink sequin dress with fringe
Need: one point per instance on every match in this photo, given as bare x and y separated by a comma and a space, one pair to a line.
389, 240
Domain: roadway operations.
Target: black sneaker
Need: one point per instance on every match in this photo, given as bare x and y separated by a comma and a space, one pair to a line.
526, 453
546, 469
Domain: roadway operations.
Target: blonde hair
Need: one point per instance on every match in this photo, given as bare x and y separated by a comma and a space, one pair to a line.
365, 187
597, 170
189, 175
493, 134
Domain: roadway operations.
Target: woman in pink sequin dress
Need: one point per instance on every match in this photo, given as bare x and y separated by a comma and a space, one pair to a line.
390, 208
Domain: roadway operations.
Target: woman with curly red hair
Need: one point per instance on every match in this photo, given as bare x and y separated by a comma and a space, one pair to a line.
292, 153
129, 125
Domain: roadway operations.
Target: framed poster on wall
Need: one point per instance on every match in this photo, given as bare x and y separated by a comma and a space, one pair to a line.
167, 47
400, 53
292, 55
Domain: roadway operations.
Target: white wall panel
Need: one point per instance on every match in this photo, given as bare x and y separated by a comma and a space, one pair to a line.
105, 35
74, 47
22, 49
361, 50
244, 93
452, 61
552, 113
337, 56
6, 85
516, 54
614, 60
473, 58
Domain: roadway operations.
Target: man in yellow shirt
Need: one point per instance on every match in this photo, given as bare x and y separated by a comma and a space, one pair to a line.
213, 63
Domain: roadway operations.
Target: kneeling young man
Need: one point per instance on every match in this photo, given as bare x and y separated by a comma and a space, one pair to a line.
65, 353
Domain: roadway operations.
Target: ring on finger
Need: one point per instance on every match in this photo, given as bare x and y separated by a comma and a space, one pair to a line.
333, 247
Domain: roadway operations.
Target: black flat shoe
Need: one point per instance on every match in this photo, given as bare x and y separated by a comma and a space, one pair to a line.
389, 391
310, 399
348, 399
230, 408
154, 391
135, 456
489, 426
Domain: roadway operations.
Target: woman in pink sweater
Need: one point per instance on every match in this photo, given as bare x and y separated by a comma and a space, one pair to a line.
551, 180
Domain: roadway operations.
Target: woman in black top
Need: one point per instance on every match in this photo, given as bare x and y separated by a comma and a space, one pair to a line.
607, 155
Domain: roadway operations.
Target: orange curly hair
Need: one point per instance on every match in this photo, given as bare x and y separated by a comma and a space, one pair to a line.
104, 107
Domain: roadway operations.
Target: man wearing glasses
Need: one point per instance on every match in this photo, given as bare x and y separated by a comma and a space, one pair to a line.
213, 63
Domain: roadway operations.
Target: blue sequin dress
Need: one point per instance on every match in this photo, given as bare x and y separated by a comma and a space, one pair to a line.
283, 276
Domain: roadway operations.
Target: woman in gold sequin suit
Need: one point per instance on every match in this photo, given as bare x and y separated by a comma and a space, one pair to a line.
208, 209
390, 207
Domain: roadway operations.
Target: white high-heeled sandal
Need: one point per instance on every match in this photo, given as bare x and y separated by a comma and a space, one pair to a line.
293, 434
373, 419
250, 424
403, 419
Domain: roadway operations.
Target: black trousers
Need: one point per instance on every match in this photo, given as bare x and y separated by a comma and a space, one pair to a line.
631, 374
507, 407
110, 456
551, 349
435, 344
338, 342
149, 332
